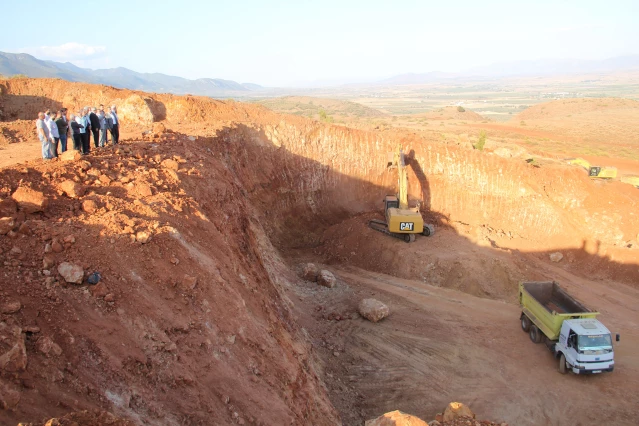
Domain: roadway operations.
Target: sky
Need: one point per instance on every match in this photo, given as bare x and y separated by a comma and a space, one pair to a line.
300, 42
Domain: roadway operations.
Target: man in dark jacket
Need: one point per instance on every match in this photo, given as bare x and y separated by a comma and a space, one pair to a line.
63, 128
95, 126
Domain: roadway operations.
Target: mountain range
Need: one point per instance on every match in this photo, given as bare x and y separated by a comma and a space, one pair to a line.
21, 63
530, 68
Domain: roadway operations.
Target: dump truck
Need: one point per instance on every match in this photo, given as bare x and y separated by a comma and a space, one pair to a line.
575, 337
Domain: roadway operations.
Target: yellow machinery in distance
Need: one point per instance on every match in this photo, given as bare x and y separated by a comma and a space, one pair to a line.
402, 221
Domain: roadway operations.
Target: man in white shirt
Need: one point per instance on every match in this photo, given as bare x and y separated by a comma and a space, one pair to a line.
43, 135
54, 135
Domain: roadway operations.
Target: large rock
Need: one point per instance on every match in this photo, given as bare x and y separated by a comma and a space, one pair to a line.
85, 165
15, 359
6, 225
71, 273
10, 307
373, 310
396, 418
143, 237
556, 257
455, 410
170, 164
326, 278
29, 200
310, 271
135, 109
48, 347
188, 283
70, 155
89, 206
143, 189
72, 189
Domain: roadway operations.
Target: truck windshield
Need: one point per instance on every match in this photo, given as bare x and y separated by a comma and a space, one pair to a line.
595, 341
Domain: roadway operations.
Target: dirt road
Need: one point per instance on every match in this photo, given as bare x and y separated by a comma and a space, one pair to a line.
441, 345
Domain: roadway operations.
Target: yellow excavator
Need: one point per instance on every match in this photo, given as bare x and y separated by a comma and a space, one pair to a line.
402, 221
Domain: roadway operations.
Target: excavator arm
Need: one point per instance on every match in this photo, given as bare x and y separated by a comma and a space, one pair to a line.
402, 177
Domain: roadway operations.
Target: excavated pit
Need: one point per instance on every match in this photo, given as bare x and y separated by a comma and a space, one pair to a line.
315, 188
253, 195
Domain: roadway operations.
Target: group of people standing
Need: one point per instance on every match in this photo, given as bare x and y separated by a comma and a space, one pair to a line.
54, 129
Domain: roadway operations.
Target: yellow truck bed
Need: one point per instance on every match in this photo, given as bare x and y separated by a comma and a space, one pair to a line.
547, 306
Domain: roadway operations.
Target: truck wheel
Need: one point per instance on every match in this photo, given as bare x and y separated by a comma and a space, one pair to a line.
562, 364
525, 323
535, 334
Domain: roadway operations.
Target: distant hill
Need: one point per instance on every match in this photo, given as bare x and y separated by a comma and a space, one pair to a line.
22, 63
310, 107
545, 67
412, 78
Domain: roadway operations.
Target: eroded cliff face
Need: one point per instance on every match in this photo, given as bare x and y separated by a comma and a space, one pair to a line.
307, 175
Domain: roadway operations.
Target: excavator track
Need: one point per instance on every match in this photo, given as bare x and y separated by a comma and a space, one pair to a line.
381, 226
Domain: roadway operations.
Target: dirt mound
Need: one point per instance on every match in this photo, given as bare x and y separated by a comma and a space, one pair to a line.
310, 107
567, 108
595, 127
22, 99
451, 113
188, 320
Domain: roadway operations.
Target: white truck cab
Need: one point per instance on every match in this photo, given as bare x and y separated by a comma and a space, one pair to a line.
584, 347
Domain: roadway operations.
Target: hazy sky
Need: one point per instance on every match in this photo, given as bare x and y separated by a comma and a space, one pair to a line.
294, 42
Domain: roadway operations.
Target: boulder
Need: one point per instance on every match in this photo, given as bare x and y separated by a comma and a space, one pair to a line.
72, 189
10, 307
310, 271
503, 152
57, 247
89, 206
556, 257
104, 179
6, 225
25, 228
143, 237
135, 109
48, 346
48, 261
71, 273
396, 418
99, 290
326, 278
143, 189
15, 359
70, 155
373, 310
29, 200
170, 164
455, 410
85, 165
188, 282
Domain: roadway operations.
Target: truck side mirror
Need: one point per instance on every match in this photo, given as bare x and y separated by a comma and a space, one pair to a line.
617, 337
